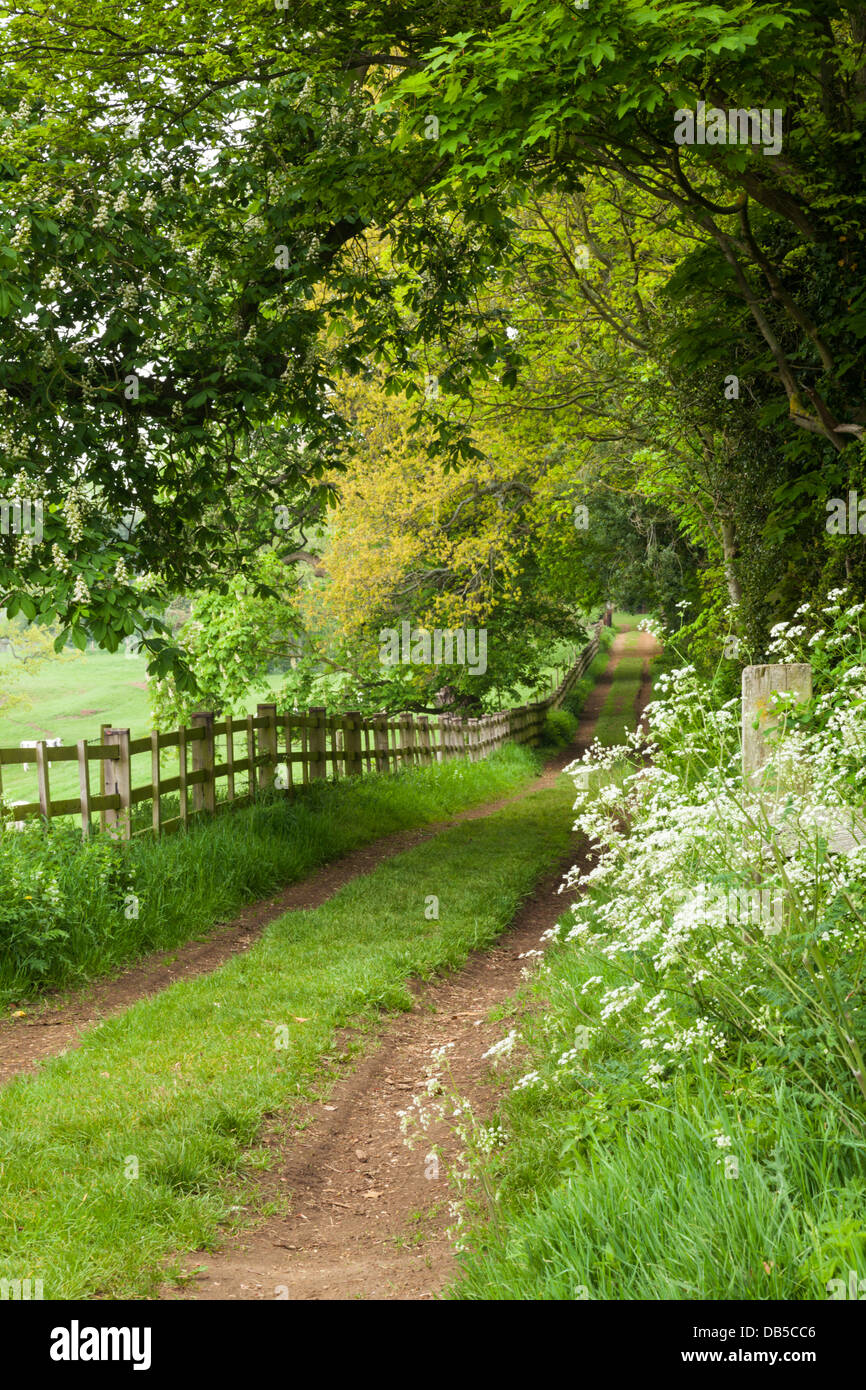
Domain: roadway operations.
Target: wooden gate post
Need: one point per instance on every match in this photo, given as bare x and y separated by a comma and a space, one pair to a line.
759, 683
117, 781
204, 793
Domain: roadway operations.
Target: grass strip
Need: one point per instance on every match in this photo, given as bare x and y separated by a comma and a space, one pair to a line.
618, 711
579, 693
73, 910
136, 1144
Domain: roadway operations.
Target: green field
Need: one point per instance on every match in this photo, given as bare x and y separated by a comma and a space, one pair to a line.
70, 699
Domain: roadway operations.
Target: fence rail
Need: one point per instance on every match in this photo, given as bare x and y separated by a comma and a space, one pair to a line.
281, 751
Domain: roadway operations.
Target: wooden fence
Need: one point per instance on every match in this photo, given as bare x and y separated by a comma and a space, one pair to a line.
278, 751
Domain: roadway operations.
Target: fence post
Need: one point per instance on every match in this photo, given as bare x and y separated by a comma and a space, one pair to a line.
156, 782
204, 793
367, 724
117, 781
103, 817
251, 758
380, 740
317, 743
182, 775
472, 739
759, 682
43, 779
442, 738
352, 743
268, 746
290, 771
230, 760
84, 784
414, 747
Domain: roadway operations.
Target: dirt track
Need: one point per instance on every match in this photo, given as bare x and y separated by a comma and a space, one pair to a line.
364, 1221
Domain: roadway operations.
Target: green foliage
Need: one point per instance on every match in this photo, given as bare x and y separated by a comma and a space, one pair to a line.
607, 1198
560, 726
183, 281
229, 644
690, 1121
61, 898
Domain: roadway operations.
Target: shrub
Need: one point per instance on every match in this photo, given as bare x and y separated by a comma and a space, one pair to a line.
559, 727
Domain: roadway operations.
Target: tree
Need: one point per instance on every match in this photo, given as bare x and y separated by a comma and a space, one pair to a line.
551, 94
180, 252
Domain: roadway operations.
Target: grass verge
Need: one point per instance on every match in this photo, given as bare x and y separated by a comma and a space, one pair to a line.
722, 1188
119, 1153
690, 1123
579, 693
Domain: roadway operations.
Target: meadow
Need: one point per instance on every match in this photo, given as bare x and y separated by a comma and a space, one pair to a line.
70, 698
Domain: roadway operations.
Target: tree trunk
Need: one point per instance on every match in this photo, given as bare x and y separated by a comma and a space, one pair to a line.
729, 550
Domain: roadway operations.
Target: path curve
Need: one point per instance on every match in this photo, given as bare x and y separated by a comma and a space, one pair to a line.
55, 1024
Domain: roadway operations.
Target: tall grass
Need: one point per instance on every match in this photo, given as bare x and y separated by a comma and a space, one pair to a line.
640, 1202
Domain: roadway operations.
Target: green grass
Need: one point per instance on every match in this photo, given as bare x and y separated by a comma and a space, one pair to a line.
178, 1085
66, 913
622, 621
579, 693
